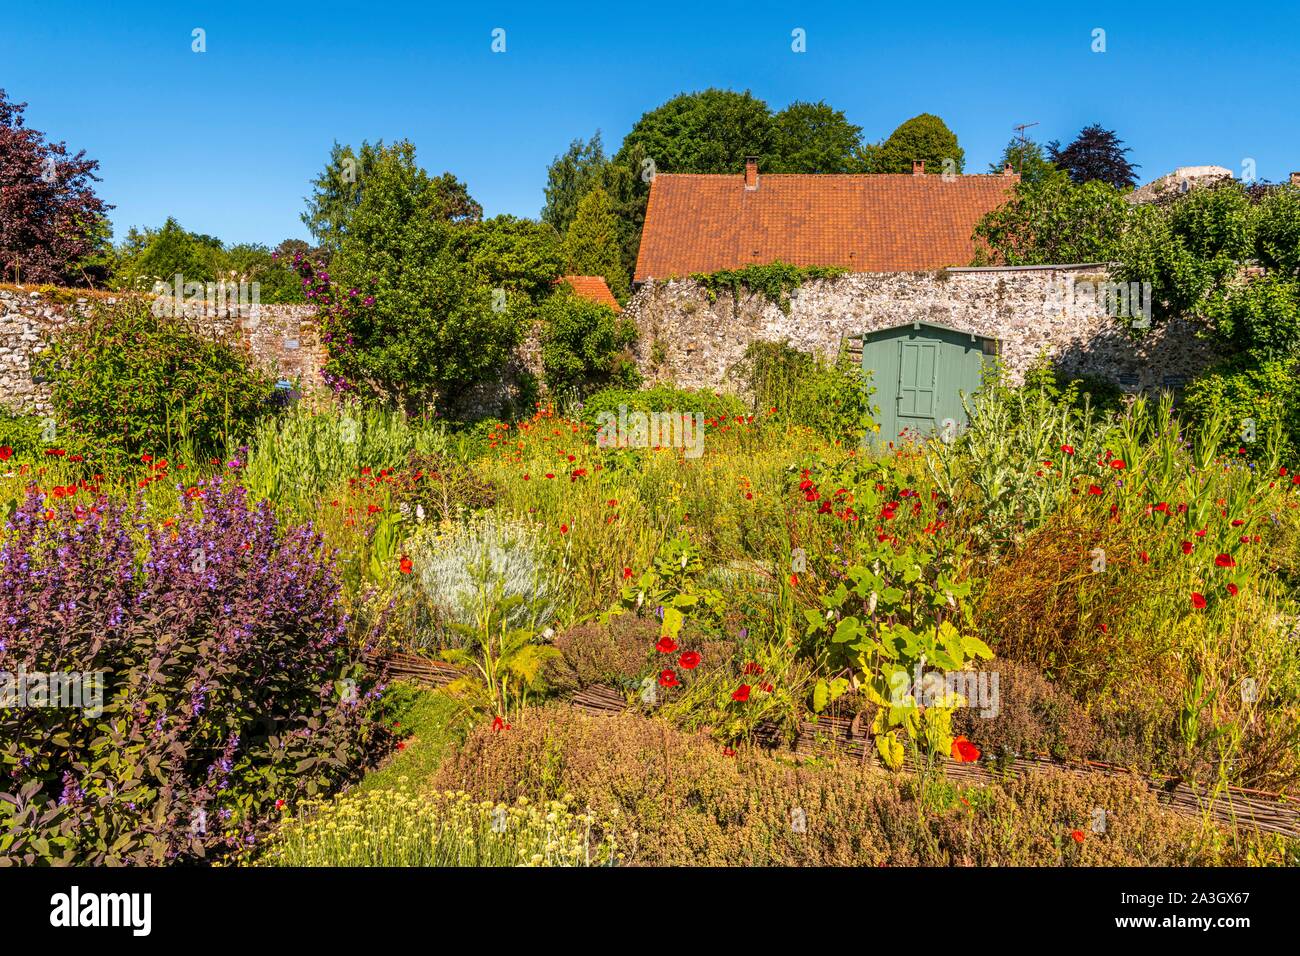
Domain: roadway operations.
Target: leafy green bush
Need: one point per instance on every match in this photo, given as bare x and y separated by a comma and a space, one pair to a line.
585, 346
787, 385
21, 434
663, 398
1255, 398
127, 381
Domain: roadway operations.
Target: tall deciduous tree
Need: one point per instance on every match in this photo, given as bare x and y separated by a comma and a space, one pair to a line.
815, 138
707, 132
51, 221
925, 137
409, 317
338, 189
1096, 155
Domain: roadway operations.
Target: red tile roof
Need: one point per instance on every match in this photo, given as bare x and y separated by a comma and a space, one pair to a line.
864, 223
593, 288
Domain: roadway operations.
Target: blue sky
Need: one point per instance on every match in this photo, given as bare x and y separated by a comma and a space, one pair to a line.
227, 140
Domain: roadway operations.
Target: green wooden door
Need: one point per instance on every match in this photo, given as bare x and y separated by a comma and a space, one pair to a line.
920, 374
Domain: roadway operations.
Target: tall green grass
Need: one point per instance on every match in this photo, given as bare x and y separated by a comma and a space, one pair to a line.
294, 459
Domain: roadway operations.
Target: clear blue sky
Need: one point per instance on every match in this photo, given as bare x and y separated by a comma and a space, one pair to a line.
227, 140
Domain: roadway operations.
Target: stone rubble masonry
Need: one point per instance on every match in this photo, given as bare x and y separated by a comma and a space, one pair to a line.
686, 339
282, 339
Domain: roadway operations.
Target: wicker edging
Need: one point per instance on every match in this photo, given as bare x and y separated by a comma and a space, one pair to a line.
1234, 807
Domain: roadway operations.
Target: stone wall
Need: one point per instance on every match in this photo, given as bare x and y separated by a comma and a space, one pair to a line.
282, 339
686, 339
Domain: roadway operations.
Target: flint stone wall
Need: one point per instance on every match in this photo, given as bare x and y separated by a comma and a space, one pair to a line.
281, 339
687, 339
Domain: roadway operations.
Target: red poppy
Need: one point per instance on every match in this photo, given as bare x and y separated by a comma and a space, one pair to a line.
666, 645
498, 723
741, 693
1232, 589
668, 679
405, 565
564, 529
1068, 449
401, 745
627, 573
963, 751
1077, 836
1094, 490
1118, 464
1198, 600
1187, 547
728, 752
689, 660
279, 804
1225, 561
753, 668
794, 580
1146, 558
6, 452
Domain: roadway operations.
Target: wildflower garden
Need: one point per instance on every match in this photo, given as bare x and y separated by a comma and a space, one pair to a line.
357, 622
1129, 582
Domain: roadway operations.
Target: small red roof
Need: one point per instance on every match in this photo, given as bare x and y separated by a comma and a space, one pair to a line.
593, 288
863, 223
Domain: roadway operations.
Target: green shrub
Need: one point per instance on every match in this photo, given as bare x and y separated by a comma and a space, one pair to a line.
585, 346
663, 398
127, 381
833, 399
21, 434
1246, 393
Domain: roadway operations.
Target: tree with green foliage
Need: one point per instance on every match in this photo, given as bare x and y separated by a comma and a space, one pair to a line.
1027, 158
591, 246
1053, 221
924, 137
711, 131
158, 255
518, 255
585, 346
408, 317
128, 381
337, 191
570, 177
815, 138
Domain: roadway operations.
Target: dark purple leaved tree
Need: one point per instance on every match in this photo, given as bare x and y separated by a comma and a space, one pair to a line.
51, 221
1095, 154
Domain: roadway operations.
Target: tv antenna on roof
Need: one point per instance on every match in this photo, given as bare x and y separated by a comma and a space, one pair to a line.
1023, 140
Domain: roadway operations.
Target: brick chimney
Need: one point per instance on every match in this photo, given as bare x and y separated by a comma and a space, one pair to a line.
918, 167
1295, 179
751, 172
1007, 170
